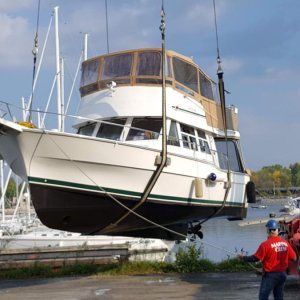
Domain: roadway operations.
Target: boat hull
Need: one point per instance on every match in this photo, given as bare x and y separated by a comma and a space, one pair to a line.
88, 185
95, 213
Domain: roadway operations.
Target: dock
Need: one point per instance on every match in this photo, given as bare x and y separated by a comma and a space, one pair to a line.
286, 218
59, 256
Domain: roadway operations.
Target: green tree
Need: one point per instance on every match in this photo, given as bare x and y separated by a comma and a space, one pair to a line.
11, 189
295, 174
270, 177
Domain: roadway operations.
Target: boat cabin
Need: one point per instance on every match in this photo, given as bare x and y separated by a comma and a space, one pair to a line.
184, 139
144, 67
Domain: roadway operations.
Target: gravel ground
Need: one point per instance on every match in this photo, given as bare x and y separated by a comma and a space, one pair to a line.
234, 286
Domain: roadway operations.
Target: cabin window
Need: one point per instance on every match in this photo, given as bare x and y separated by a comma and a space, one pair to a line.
188, 137
168, 67
87, 129
206, 89
185, 74
110, 130
173, 137
233, 155
89, 72
117, 66
149, 64
144, 129
202, 142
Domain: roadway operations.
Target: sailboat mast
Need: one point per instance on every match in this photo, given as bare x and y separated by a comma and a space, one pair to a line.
85, 47
58, 72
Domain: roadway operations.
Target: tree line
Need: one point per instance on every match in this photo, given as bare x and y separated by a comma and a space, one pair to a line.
277, 176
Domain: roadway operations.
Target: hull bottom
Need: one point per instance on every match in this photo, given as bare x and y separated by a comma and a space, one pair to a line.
94, 214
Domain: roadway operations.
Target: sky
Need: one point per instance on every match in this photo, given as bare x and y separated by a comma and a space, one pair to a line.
258, 42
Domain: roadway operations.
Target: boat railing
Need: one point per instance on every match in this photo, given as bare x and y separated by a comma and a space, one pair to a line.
126, 133
37, 117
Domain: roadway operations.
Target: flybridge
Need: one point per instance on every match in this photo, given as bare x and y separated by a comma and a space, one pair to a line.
144, 67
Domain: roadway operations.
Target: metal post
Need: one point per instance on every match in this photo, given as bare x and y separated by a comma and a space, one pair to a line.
28, 199
85, 47
58, 71
19, 198
1, 175
62, 76
3, 194
24, 111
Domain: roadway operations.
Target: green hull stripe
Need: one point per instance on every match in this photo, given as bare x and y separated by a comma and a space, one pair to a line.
66, 184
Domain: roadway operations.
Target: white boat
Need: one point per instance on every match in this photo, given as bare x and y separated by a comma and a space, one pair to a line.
292, 208
149, 156
44, 238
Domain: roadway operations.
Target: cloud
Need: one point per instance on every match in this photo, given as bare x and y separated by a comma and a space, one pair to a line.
130, 25
13, 5
16, 41
231, 65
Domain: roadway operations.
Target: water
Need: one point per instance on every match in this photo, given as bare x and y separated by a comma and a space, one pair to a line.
225, 239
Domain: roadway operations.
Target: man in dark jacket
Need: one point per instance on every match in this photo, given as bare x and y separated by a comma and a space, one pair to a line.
274, 253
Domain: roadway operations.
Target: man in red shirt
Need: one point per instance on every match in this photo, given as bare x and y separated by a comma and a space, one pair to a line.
274, 253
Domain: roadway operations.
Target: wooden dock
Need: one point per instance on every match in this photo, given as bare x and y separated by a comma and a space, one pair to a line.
59, 256
286, 218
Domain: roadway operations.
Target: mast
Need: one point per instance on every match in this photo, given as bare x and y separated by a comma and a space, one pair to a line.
1, 175
58, 73
62, 92
85, 47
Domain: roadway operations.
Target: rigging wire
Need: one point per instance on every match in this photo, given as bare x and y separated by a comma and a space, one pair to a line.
106, 21
35, 53
223, 108
161, 161
220, 74
223, 111
39, 66
216, 30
